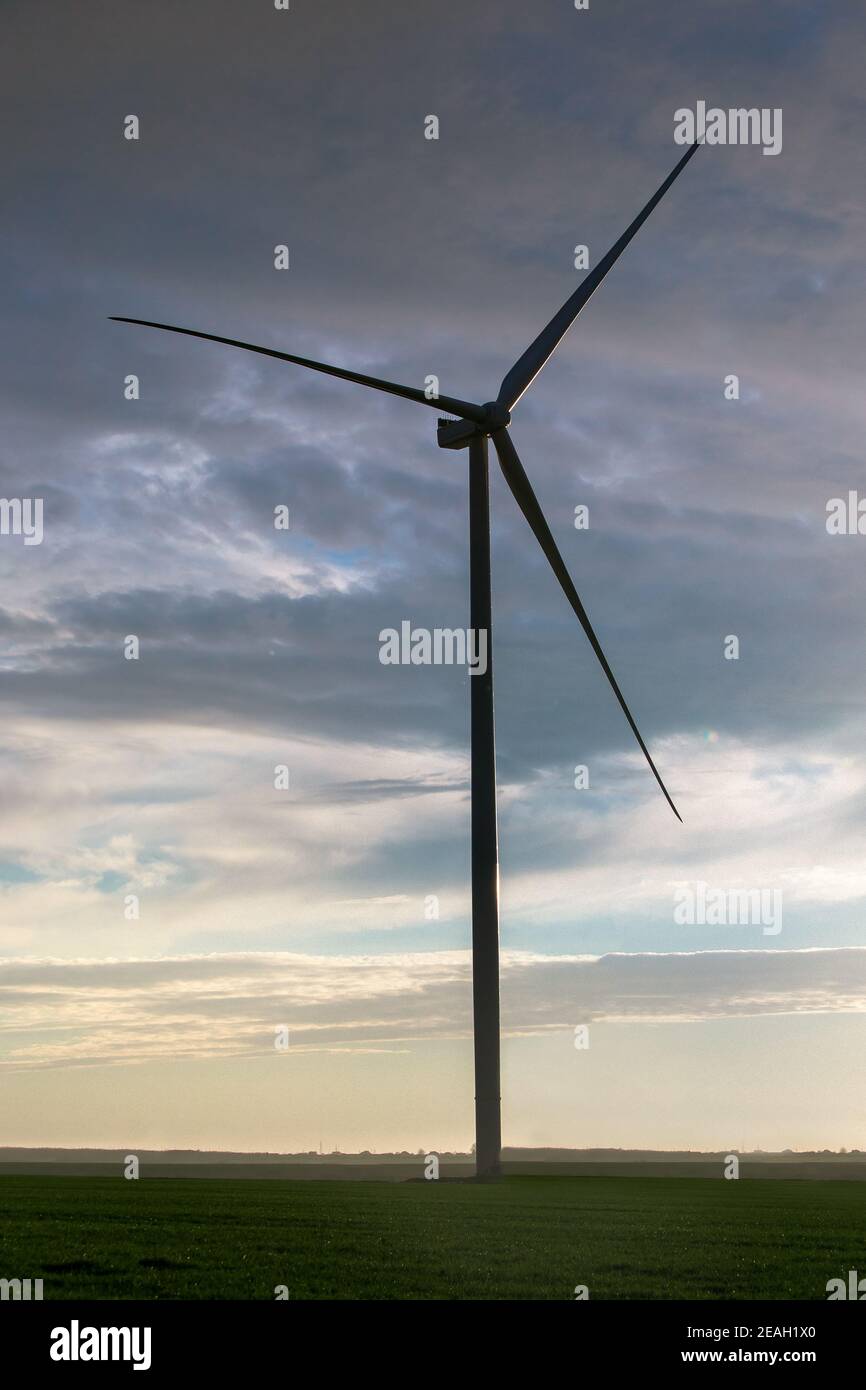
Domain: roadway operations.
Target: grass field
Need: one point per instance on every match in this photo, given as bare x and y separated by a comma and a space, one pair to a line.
524, 1238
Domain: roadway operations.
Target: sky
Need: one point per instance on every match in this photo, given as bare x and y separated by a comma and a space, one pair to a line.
338, 909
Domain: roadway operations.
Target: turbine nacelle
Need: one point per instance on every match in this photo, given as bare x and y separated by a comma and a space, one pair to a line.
457, 434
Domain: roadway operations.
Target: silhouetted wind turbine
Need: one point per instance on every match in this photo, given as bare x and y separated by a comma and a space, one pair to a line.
474, 425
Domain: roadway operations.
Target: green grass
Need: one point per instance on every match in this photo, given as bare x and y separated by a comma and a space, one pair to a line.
523, 1238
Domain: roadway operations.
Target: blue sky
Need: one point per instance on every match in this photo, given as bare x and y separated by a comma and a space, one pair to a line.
260, 647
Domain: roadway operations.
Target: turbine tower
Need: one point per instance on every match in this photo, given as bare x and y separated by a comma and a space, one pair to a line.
472, 428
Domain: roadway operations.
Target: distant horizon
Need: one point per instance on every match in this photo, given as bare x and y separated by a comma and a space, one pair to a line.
415, 1153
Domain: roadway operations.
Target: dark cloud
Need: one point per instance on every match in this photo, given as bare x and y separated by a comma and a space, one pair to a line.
411, 257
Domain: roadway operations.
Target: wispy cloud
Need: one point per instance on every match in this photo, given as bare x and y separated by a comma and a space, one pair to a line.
90, 1012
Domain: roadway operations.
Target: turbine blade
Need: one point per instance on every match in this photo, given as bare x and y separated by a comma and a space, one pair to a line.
527, 367
527, 501
466, 409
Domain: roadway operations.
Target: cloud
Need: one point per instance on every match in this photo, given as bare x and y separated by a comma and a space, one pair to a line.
97, 1012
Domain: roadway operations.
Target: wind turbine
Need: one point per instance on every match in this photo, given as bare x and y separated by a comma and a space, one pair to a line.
475, 424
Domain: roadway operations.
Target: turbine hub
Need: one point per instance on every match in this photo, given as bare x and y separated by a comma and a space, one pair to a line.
458, 434
497, 415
